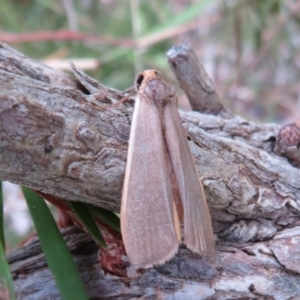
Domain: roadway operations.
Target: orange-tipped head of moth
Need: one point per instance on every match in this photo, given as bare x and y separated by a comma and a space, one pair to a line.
152, 84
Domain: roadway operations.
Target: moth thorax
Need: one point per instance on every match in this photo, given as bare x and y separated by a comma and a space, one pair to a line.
157, 90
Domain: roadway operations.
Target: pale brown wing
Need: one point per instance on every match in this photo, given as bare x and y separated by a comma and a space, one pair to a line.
198, 234
147, 212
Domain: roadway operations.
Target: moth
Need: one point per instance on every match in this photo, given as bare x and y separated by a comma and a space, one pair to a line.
161, 187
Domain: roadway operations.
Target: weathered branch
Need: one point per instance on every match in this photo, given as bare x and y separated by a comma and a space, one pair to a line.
261, 270
194, 81
58, 135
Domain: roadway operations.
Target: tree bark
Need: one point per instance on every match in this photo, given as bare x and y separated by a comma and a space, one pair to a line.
62, 136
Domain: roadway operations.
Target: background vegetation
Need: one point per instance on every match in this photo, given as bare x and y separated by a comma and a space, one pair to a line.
249, 48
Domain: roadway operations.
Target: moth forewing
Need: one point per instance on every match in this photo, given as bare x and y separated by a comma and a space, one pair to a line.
198, 234
161, 183
147, 220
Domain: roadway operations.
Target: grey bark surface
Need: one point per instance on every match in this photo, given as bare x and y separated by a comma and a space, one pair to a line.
63, 137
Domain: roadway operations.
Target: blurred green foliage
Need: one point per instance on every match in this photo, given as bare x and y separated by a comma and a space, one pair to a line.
250, 48
57, 254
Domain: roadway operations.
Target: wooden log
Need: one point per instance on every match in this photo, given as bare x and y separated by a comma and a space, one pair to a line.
60, 136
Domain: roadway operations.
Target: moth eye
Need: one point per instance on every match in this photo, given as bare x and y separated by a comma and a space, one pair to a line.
139, 81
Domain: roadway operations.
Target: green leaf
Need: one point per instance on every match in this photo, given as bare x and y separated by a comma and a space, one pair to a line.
107, 216
2, 240
57, 254
191, 12
84, 215
6, 283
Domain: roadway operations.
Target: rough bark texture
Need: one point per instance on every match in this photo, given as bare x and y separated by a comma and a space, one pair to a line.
61, 136
195, 81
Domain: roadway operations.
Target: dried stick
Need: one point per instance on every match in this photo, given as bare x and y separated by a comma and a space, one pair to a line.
194, 80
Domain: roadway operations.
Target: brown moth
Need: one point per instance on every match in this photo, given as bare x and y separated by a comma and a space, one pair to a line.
161, 186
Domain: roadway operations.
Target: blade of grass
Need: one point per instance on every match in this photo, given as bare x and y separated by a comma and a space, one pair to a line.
180, 23
57, 254
6, 283
2, 240
84, 215
191, 12
107, 216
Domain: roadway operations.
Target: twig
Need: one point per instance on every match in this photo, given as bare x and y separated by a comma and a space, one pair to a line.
142, 42
194, 80
63, 35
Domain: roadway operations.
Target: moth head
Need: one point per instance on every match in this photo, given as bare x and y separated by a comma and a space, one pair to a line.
152, 85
